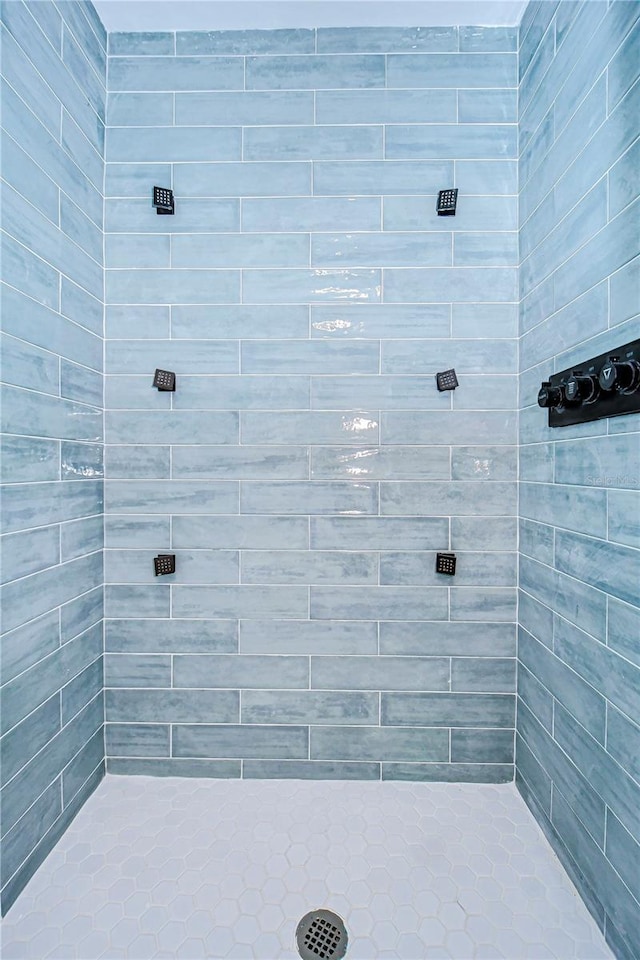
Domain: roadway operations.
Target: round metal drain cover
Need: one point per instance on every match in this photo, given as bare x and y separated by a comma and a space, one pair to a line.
321, 934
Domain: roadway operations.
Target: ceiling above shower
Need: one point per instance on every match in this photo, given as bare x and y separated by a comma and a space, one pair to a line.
265, 14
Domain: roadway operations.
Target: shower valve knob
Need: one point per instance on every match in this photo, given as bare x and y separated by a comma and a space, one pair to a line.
580, 389
549, 396
621, 376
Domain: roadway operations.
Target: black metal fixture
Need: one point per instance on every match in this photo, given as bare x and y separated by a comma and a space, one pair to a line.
164, 563
446, 563
165, 381
447, 200
446, 380
163, 200
605, 386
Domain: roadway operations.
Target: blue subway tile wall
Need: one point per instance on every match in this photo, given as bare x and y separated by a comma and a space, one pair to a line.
306, 470
578, 715
52, 744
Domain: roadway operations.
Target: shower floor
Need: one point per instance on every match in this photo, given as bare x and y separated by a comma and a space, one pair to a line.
211, 868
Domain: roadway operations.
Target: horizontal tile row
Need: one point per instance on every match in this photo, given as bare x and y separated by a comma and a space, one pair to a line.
320, 602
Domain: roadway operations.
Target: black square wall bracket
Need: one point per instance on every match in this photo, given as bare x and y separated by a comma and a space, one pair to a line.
446, 563
164, 563
447, 200
163, 200
446, 380
165, 381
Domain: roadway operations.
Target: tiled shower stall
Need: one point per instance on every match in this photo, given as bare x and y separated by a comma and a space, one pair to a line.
306, 470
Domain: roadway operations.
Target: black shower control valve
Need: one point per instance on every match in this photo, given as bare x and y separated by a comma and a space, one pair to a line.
580, 389
163, 200
165, 381
164, 563
446, 380
447, 200
621, 376
446, 563
549, 396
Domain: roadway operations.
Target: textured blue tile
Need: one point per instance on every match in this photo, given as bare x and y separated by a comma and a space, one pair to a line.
569, 506
87, 764
386, 106
172, 706
313, 143
37, 504
137, 532
246, 323
83, 309
623, 850
140, 109
380, 463
20, 841
565, 595
75, 58
244, 250
451, 70
252, 533
591, 462
25, 176
175, 73
80, 537
380, 673
380, 321
242, 393
472, 213
242, 180
377, 177
149, 322
378, 743
466, 141
222, 740
19, 746
462, 498
483, 463
313, 497
86, 148
49, 21
311, 213
36, 414
449, 772
172, 767
624, 629
39, 592
180, 286
171, 426
477, 39
314, 73
487, 177
35, 640
240, 601
27, 366
383, 249
308, 636
312, 427
137, 250
240, 463
192, 357
137, 670
612, 675
494, 320
606, 566
140, 43
37, 684
374, 393
315, 286
427, 357
137, 739
485, 249
298, 356
136, 601
81, 692
247, 672
80, 383
616, 788
579, 791
170, 496
137, 462
309, 770
81, 613
448, 427
30, 321
378, 533
482, 746
133, 215
535, 695
623, 741
309, 706
153, 144
301, 566
440, 39
460, 284
490, 603
473, 569
245, 42
25, 272
82, 461
246, 108
536, 540
171, 636
378, 603
624, 180
447, 709
20, 71
197, 566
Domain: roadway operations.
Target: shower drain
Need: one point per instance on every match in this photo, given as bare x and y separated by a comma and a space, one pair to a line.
321, 934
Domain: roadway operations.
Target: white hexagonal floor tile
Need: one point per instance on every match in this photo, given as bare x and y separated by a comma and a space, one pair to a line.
193, 869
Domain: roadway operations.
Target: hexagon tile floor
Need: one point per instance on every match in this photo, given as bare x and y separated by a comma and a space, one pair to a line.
214, 868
